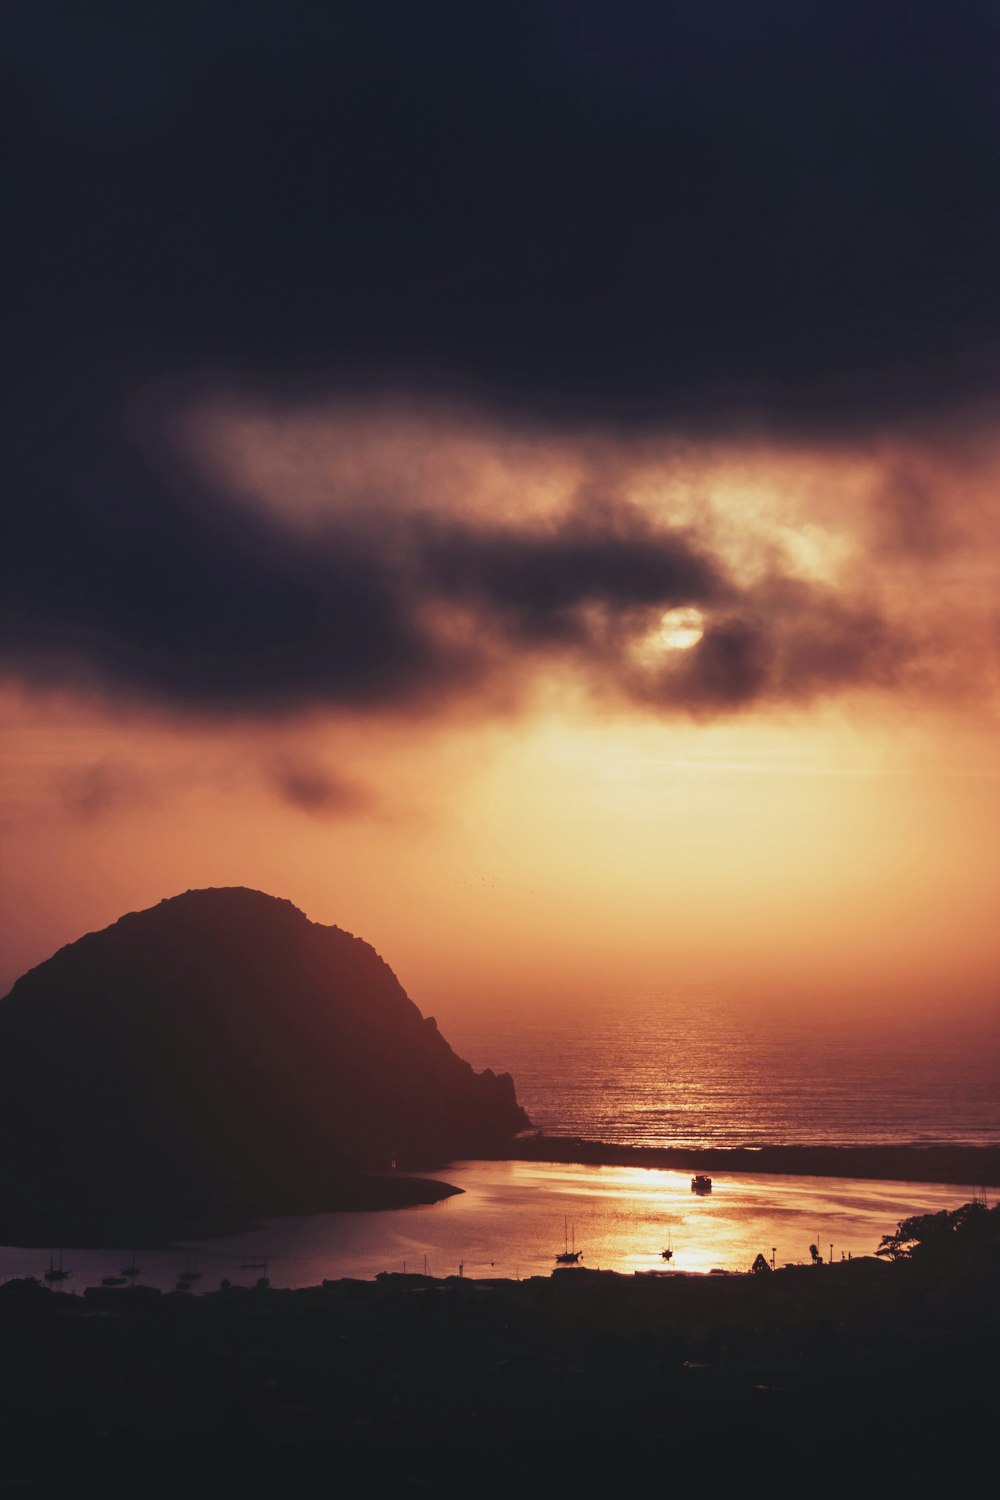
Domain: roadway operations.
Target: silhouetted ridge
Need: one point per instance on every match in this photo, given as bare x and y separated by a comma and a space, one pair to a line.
221, 1049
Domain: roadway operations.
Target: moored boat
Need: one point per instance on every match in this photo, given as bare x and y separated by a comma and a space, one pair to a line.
569, 1257
55, 1272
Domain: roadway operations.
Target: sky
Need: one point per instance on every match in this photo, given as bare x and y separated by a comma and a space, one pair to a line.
518, 480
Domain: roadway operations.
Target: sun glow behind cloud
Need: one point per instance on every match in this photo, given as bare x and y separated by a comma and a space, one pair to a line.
580, 805
682, 628
904, 531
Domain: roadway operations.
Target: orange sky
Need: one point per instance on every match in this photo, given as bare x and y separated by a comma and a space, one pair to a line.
562, 826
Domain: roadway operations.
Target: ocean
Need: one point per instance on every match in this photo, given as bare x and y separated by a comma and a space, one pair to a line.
683, 1070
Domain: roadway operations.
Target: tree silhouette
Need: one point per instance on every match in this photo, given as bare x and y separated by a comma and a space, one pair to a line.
966, 1234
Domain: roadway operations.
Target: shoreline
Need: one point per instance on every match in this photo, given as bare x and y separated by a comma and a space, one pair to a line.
964, 1166
167, 1228
976, 1167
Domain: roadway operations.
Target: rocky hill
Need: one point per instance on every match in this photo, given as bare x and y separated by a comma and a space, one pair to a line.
221, 1055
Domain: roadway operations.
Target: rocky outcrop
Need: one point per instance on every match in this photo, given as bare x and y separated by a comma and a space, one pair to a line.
220, 1052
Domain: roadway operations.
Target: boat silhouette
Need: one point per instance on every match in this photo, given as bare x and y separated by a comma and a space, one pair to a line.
191, 1274
569, 1257
701, 1183
55, 1272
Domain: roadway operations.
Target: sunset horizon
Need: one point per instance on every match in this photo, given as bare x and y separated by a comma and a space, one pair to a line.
328, 562
499, 778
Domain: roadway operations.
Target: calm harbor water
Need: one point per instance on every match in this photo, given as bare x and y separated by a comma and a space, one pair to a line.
509, 1221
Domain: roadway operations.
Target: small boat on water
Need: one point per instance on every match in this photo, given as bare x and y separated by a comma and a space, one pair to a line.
569, 1257
55, 1272
701, 1183
188, 1276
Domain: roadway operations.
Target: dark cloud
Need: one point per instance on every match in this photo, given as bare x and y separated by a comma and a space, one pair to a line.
103, 787
124, 569
696, 215
783, 642
106, 787
537, 582
699, 217
318, 792
127, 574
117, 564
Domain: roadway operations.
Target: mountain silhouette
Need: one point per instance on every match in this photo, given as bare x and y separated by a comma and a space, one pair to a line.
221, 1055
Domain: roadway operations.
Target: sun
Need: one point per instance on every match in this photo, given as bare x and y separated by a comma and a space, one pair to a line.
680, 629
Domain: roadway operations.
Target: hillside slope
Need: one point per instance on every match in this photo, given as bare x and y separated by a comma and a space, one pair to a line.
220, 1051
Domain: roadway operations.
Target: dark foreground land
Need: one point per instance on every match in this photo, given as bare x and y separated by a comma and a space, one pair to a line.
878, 1376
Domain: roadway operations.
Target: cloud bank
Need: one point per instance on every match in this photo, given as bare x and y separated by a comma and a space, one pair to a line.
137, 578
706, 221
700, 215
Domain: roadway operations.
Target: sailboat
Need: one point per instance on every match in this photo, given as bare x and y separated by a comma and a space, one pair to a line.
55, 1272
131, 1271
569, 1257
191, 1274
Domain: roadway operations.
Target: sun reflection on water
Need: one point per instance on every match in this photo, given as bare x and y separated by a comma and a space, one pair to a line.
508, 1222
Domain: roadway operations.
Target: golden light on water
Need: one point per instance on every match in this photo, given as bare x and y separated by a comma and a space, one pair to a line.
682, 628
509, 1221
